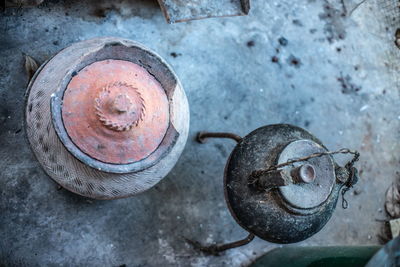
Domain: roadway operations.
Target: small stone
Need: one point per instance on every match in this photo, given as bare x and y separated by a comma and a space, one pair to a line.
294, 61
297, 22
251, 43
283, 41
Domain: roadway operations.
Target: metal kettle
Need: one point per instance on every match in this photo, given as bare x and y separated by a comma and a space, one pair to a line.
281, 183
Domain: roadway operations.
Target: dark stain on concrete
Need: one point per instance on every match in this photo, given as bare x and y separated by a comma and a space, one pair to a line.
221, 149
23, 189
334, 28
348, 87
175, 55
297, 22
251, 43
283, 41
294, 61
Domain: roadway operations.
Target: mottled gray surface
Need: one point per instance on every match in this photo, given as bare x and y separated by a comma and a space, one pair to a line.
178, 10
308, 63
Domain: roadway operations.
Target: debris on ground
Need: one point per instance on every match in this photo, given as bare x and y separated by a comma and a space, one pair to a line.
392, 203
397, 38
395, 227
391, 228
31, 66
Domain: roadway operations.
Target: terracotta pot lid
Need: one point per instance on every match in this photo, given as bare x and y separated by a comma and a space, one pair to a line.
115, 111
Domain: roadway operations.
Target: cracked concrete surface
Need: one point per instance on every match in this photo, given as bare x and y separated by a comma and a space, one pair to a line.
307, 63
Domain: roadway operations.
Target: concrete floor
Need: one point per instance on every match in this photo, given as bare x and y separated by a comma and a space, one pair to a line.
336, 75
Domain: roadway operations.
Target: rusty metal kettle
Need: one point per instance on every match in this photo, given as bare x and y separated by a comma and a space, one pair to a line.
281, 184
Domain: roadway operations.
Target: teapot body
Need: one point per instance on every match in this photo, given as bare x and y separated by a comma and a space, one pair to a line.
281, 210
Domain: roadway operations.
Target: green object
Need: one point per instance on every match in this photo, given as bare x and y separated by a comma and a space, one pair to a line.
340, 256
